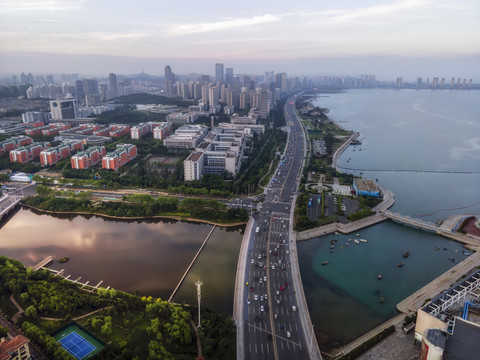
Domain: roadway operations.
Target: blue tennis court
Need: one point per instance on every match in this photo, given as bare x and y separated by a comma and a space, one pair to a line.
76, 345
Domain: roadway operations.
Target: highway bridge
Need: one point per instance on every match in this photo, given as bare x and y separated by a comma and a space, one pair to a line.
270, 309
416, 223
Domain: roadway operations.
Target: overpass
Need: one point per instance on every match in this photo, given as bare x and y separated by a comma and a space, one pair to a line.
407, 220
7, 203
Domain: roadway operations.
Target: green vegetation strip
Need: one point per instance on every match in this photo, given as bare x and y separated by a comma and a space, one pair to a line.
139, 206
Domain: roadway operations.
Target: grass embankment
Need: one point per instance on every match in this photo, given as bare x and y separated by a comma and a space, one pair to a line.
140, 206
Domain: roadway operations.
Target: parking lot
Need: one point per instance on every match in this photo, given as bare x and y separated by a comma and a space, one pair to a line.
338, 205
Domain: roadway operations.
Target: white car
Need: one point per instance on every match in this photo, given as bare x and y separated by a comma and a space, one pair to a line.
278, 292
255, 297
248, 301
252, 262
261, 298
288, 334
262, 308
266, 296
265, 278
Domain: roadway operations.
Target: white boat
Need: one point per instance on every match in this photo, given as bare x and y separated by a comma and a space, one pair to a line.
363, 240
356, 241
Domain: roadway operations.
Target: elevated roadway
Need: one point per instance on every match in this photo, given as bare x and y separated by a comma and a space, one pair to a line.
269, 307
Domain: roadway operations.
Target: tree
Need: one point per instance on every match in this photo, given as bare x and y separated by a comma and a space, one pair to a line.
3, 332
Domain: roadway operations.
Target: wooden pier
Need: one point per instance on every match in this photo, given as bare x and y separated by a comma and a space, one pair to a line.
43, 263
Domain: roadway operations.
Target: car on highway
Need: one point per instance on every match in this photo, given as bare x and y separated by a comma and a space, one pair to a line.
255, 297
266, 296
294, 308
278, 292
275, 316
257, 319
248, 301
289, 334
261, 297
262, 308
265, 278
278, 302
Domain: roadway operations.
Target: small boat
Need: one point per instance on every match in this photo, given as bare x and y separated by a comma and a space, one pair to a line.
453, 260
401, 264
332, 246
437, 248
346, 244
357, 235
445, 248
406, 254
379, 277
456, 250
336, 233
341, 247
349, 240
466, 253
325, 263
381, 300
331, 251
376, 292
356, 241
363, 240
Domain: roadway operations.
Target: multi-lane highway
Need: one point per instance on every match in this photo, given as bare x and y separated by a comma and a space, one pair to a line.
272, 320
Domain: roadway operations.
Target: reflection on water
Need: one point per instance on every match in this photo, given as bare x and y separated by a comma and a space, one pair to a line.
147, 256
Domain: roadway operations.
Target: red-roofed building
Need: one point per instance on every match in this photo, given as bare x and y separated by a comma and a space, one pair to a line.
17, 348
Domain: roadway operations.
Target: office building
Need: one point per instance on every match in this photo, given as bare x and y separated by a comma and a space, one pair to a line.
186, 137
113, 87
218, 73
32, 117
229, 75
63, 109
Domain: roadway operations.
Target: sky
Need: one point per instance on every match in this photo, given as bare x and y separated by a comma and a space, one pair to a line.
391, 37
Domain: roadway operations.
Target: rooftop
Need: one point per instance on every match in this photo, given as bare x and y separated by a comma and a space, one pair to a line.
366, 185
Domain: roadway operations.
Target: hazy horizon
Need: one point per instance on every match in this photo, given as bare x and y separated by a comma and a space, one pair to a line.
407, 38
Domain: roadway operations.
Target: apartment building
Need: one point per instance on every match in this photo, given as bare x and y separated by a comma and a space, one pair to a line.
123, 154
88, 158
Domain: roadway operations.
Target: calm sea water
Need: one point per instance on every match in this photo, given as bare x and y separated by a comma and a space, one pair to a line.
149, 257
400, 130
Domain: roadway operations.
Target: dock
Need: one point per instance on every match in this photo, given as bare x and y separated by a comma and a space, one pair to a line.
191, 264
48, 260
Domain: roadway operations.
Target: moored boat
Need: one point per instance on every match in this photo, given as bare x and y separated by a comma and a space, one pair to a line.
381, 300
356, 241
401, 264
379, 277
406, 254
363, 240
325, 263
376, 292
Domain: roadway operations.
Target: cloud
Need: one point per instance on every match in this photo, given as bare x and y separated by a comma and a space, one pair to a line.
221, 25
46, 5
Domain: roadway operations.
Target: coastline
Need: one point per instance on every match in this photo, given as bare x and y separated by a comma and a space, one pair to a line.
412, 302
171, 217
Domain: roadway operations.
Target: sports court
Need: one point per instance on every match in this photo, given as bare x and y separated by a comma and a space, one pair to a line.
78, 342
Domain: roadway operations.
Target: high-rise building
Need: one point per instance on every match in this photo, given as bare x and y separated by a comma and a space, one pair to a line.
419, 82
90, 86
229, 75
213, 95
169, 80
435, 82
112, 79
398, 83
218, 72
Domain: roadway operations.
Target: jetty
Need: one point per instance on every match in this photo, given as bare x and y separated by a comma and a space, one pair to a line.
191, 264
47, 261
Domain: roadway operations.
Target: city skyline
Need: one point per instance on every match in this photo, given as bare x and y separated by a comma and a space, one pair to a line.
395, 38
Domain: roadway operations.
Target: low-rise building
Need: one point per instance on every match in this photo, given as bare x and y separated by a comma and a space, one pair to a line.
15, 349
243, 120
160, 129
366, 188
186, 137
183, 118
